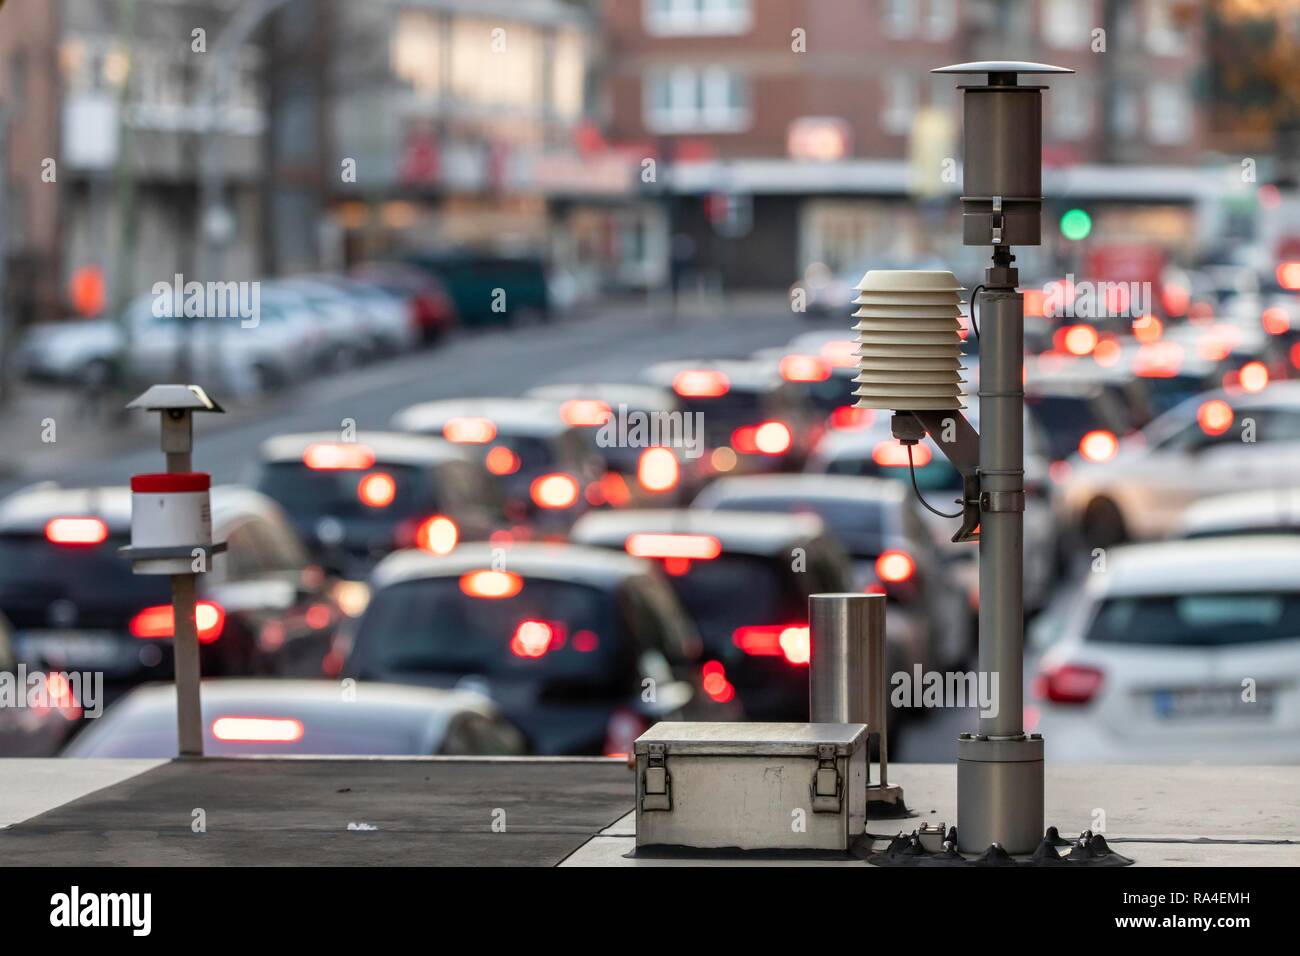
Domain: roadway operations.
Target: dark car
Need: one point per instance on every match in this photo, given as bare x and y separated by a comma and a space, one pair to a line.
581, 649
1082, 417
753, 419
891, 548
271, 717
745, 579
354, 502
75, 605
432, 311
548, 471
487, 288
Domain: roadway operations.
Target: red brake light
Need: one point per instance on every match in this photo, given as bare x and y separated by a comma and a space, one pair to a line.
895, 567
1068, 684
693, 547
377, 490
262, 730
701, 383
1215, 416
657, 469
469, 430
1275, 320
500, 460
841, 353
158, 621
437, 535
769, 438
554, 491
491, 584
75, 530
326, 456
1078, 339
714, 680
534, 638
1098, 445
585, 412
847, 416
804, 368
1253, 376
1288, 275
790, 641
892, 454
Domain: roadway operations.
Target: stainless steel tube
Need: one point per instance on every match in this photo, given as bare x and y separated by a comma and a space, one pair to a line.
836, 669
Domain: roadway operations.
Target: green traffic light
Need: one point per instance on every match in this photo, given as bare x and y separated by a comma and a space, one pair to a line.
1076, 224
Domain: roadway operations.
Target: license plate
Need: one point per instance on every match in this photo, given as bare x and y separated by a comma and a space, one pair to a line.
69, 648
1201, 703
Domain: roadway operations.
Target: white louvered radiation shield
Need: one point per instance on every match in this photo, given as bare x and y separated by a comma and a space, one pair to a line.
909, 340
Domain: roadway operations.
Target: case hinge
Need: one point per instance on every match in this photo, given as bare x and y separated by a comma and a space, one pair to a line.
656, 782
827, 786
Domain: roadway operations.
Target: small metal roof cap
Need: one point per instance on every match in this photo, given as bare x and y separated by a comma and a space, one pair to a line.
159, 398
1002, 66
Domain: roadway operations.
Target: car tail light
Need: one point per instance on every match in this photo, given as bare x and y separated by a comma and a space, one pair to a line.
469, 430
500, 460
892, 454
657, 469
769, 438
336, 456
1068, 684
260, 730
534, 638
554, 491
713, 677
1077, 339
846, 416
622, 730
1253, 376
437, 535
1148, 329
611, 489
1098, 445
693, 547
790, 641
1275, 320
895, 567
701, 383
491, 584
1158, 360
1288, 275
86, 531
841, 353
377, 490
804, 368
585, 412
1107, 353
1215, 416
158, 621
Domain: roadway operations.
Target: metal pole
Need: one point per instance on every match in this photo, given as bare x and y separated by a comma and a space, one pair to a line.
177, 440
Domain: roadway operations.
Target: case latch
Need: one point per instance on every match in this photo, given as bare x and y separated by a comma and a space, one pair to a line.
827, 786
656, 782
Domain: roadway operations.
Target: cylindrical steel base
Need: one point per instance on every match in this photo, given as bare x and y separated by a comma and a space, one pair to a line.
999, 793
838, 629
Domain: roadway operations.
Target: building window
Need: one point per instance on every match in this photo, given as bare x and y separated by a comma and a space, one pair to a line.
940, 19
1067, 23
1126, 117
696, 17
1165, 35
696, 100
899, 105
900, 18
1071, 110
1169, 113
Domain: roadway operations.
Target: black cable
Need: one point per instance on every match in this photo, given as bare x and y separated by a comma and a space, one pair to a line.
920, 497
975, 294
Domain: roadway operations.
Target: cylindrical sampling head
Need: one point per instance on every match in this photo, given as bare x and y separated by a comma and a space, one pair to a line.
1002, 176
841, 628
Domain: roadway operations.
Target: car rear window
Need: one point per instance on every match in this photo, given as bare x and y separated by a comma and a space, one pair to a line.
1066, 419
35, 572
709, 589
552, 631
310, 492
936, 474
861, 526
1198, 620
725, 413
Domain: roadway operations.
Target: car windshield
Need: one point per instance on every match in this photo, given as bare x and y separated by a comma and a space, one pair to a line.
552, 631
708, 591
860, 525
1198, 620
1065, 420
35, 573
382, 492
933, 471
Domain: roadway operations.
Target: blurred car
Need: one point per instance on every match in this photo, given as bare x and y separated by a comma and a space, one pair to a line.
610, 412
343, 323
354, 502
581, 649
548, 471
892, 551
1076, 416
263, 717
490, 289
385, 317
753, 420
736, 575
870, 450
75, 604
1180, 651
432, 313
39, 727
1212, 444
1271, 511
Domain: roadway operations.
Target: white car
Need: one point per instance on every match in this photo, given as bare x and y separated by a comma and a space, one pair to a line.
1253, 512
1177, 652
1212, 444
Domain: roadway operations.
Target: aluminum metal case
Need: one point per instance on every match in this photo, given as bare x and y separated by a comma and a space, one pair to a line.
751, 786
